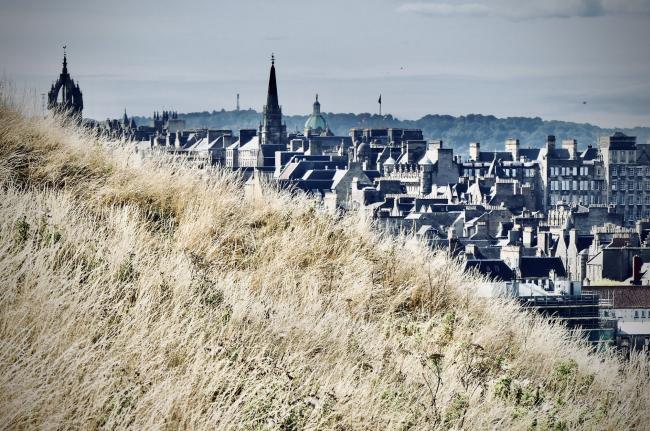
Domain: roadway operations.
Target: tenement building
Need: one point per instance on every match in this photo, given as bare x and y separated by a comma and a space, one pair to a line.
627, 166
572, 177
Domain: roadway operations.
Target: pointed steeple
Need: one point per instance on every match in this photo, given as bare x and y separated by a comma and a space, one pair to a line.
272, 103
65, 62
272, 131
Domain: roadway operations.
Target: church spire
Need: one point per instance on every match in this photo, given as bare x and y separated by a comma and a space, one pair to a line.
65, 61
272, 103
272, 131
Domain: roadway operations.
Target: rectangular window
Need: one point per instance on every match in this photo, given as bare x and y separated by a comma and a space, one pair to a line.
575, 170
639, 172
630, 172
614, 171
575, 185
630, 185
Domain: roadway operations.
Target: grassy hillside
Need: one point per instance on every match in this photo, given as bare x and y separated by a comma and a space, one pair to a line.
457, 132
146, 295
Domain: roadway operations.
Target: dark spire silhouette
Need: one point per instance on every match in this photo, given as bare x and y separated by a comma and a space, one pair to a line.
65, 61
272, 131
65, 95
272, 103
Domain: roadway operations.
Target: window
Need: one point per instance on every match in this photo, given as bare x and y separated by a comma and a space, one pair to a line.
614, 185
630, 185
630, 172
630, 200
639, 172
636, 314
639, 199
614, 171
575, 185
622, 185
575, 170
647, 185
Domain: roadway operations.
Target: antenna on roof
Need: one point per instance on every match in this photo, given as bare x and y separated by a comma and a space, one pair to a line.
238, 101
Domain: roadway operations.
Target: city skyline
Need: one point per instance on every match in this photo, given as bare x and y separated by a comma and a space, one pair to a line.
423, 57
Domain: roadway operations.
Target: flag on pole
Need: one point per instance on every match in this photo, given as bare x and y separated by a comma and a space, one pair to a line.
379, 101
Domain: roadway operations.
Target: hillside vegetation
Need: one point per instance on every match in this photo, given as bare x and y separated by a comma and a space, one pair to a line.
457, 132
148, 295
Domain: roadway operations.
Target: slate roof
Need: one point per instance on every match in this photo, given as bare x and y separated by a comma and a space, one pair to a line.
495, 269
561, 153
488, 156
539, 267
530, 153
253, 144
589, 154
623, 296
325, 174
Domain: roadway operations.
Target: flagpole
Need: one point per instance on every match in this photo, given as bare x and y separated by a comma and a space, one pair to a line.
380, 105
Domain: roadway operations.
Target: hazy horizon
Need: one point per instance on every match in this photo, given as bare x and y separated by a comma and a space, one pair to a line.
491, 57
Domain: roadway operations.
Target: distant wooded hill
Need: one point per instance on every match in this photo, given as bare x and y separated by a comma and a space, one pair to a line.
457, 132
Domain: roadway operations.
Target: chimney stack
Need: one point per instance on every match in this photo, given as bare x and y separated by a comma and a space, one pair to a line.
571, 145
512, 147
550, 143
474, 150
636, 270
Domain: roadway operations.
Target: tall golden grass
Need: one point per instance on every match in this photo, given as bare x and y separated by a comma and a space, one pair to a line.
145, 294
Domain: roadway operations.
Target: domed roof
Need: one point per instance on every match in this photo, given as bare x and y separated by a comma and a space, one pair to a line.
316, 121
389, 161
363, 149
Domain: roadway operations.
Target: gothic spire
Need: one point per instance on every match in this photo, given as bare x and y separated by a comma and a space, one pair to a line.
272, 103
65, 61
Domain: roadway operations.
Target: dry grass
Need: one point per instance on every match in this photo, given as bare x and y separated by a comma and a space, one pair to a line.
146, 295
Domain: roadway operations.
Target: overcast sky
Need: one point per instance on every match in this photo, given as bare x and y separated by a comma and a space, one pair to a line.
502, 57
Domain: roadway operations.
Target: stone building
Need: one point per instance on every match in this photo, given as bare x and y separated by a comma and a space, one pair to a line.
573, 177
627, 170
65, 95
272, 130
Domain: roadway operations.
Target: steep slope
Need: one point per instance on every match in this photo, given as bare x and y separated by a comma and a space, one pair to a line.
145, 294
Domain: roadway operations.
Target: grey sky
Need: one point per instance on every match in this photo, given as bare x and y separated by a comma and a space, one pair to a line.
502, 57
